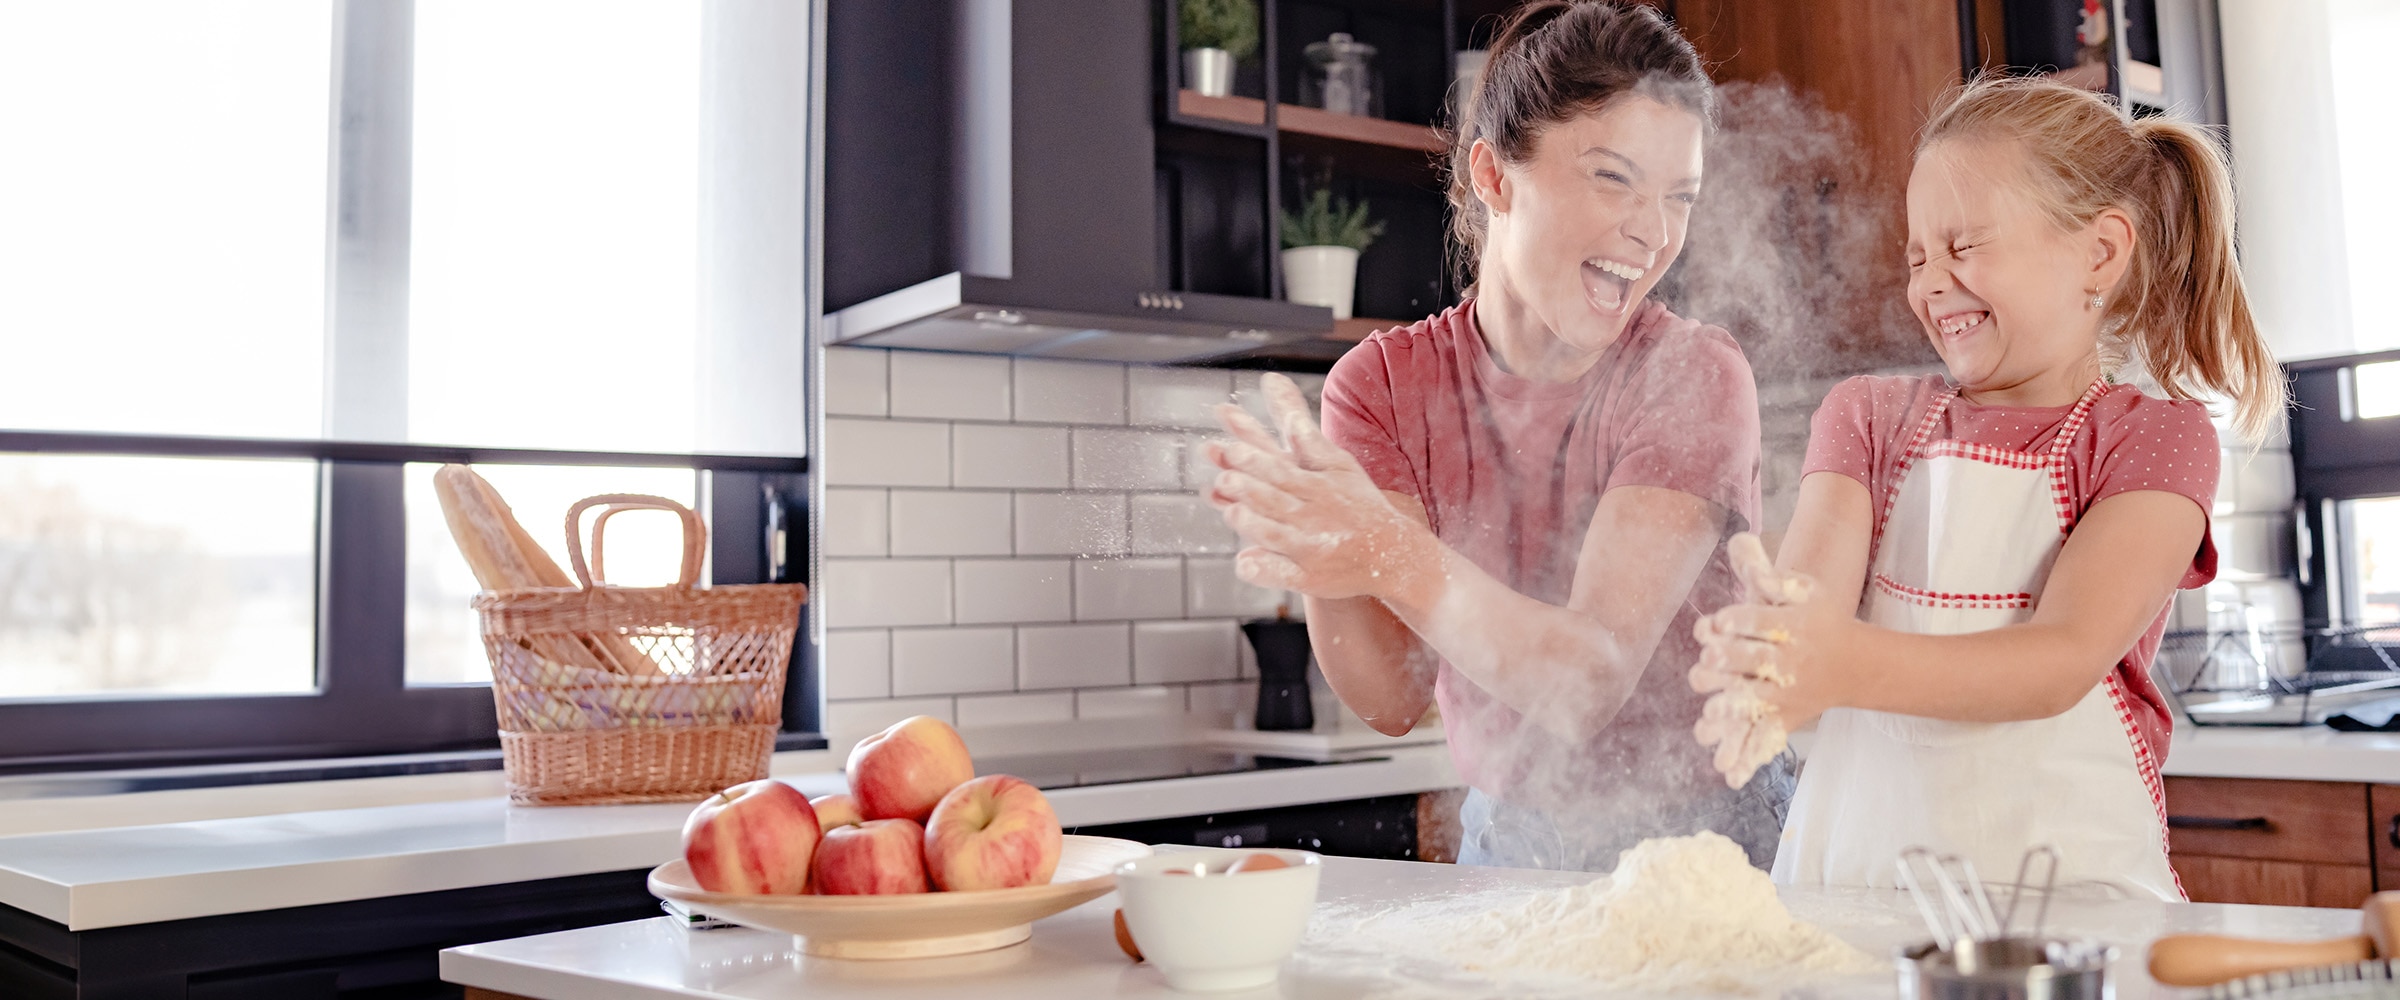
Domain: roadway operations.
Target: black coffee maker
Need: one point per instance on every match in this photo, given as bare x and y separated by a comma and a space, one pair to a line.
1283, 657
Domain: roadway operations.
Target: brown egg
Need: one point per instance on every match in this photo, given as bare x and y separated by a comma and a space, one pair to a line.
1125, 938
1257, 863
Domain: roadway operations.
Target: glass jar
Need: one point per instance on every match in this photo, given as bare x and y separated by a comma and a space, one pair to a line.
1341, 78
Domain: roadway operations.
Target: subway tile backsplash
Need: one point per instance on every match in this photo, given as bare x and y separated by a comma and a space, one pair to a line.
1011, 541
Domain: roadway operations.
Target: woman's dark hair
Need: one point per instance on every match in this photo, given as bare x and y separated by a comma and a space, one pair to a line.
1551, 61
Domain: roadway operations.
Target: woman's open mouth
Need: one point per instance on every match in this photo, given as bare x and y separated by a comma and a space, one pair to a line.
1609, 283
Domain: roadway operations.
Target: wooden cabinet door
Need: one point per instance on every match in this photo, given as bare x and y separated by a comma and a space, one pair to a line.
2274, 843
2383, 833
2272, 883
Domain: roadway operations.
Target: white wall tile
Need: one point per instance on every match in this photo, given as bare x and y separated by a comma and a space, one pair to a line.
1223, 700
858, 664
870, 593
950, 386
1211, 590
977, 711
953, 660
847, 722
855, 381
1013, 590
1174, 652
855, 523
886, 453
1071, 524
1127, 460
950, 523
1179, 524
1069, 392
1124, 589
1176, 397
1064, 656
1033, 458
1118, 703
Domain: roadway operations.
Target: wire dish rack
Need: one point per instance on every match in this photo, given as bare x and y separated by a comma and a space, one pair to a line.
2278, 675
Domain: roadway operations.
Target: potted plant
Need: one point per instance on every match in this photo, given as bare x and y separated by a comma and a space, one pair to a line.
1321, 246
1216, 34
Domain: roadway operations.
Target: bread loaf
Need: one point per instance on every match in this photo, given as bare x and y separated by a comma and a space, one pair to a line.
504, 556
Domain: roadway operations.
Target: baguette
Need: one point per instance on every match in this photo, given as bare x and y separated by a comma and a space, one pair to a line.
504, 556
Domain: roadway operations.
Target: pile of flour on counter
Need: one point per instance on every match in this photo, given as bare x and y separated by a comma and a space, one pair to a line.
1680, 914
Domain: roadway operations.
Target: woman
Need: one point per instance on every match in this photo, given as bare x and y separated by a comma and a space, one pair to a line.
1516, 506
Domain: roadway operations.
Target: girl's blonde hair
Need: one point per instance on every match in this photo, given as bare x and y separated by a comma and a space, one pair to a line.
2181, 311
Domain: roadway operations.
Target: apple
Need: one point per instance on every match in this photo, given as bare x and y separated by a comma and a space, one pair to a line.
995, 832
902, 772
880, 857
757, 837
836, 810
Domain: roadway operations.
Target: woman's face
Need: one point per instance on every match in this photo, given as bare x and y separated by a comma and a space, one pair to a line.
2001, 291
1586, 226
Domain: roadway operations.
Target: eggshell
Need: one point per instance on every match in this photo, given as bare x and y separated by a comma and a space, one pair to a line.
1257, 863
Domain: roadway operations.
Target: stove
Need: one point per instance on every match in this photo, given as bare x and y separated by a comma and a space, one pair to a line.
1118, 766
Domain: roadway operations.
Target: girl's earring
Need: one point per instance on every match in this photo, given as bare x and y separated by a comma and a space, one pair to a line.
2096, 301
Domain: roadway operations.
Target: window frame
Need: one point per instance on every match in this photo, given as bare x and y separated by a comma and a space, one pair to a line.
2335, 459
362, 705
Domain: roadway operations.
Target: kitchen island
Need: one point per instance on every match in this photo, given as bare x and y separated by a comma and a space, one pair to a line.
1074, 953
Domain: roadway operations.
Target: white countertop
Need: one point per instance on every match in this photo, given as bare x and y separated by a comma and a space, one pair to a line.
89, 879
2312, 753
1074, 954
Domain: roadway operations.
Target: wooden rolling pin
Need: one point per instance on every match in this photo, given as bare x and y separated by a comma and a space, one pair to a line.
2208, 959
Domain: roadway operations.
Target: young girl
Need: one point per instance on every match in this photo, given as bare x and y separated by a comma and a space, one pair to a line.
1985, 561
1517, 506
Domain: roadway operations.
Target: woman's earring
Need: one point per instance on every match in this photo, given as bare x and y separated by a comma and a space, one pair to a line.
2096, 302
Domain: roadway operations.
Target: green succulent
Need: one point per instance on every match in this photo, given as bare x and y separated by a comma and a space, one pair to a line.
1324, 221
1231, 25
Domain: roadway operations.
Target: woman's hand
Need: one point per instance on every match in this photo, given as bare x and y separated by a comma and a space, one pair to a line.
1309, 517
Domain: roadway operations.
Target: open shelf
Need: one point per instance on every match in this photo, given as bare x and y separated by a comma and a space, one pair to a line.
1294, 119
1357, 328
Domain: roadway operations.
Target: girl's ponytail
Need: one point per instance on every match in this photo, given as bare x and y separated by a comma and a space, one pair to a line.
2185, 304
2181, 310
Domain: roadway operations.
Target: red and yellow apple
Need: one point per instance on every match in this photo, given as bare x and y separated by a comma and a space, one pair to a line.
836, 810
880, 857
994, 832
756, 837
902, 772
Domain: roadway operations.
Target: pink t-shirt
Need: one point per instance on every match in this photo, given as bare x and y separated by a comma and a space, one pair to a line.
1510, 470
2129, 442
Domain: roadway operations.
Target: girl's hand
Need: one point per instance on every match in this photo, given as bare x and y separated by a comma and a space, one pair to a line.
1765, 662
1309, 517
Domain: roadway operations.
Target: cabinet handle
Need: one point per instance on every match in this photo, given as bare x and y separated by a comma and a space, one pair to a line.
2249, 823
2392, 834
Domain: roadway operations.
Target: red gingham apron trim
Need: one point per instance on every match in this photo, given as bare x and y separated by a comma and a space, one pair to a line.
1984, 453
1944, 599
2147, 763
2062, 492
1908, 459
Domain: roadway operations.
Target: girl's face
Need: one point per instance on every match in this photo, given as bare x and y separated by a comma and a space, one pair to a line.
2002, 292
1590, 222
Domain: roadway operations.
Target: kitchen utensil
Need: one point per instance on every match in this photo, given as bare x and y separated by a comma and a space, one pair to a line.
2006, 969
919, 925
2208, 959
1283, 654
1215, 931
2360, 981
1967, 914
702, 718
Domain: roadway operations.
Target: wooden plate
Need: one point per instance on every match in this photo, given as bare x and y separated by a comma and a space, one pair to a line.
916, 925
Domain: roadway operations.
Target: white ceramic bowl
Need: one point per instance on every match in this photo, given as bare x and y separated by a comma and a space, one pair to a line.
1217, 932
918, 925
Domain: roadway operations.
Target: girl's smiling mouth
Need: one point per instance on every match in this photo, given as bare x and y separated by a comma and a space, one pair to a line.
1958, 325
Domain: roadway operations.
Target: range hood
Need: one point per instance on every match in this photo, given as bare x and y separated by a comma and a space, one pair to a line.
991, 187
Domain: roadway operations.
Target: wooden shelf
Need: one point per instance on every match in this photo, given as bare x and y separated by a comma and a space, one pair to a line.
1357, 328
1293, 119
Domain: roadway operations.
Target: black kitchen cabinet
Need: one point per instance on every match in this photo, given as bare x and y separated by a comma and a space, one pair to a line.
1382, 827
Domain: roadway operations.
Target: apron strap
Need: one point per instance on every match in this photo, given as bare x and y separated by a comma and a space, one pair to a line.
1908, 457
2062, 487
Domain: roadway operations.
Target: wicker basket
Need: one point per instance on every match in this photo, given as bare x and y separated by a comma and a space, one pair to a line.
637, 694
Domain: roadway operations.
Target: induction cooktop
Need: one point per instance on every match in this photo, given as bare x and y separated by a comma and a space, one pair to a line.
1118, 766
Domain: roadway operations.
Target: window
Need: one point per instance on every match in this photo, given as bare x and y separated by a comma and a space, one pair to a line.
271, 263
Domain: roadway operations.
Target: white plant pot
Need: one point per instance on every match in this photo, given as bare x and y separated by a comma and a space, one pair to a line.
1209, 71
1321, 276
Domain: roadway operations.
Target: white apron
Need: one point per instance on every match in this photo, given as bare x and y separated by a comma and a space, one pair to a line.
1964, 544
